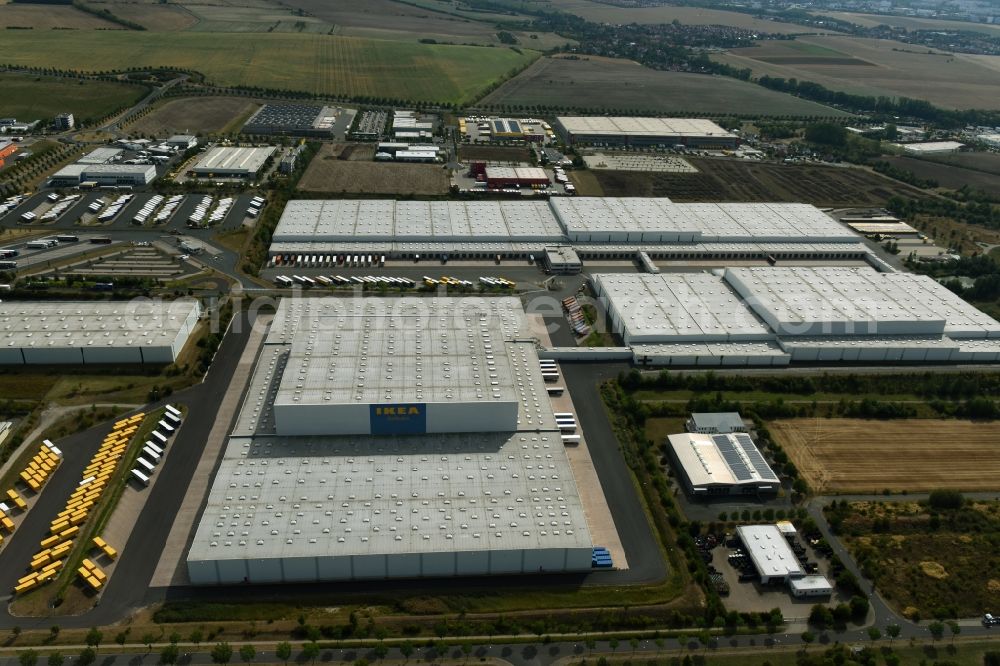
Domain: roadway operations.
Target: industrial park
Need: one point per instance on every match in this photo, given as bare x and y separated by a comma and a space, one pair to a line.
368, 368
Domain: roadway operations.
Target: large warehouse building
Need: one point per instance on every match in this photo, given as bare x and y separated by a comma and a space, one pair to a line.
596, 228
636, 131
777, 315
82, 332
233, 162
405, 493
724, 464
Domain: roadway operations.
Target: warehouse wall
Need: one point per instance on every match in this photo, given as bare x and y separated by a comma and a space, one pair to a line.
112, 355
402, 565
11, 356
158, 354
296, 419
61, 355
472, 417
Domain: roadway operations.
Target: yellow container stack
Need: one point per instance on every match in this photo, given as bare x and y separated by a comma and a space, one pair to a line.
66, 526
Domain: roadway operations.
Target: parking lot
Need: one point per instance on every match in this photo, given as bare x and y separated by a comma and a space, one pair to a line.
81, 217
731, 569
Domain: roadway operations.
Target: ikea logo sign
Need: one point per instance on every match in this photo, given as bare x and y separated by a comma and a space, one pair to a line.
410, 419
397, 410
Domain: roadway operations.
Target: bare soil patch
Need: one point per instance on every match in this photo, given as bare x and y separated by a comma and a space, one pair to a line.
193, 115
916, 455
329, 173
737, 180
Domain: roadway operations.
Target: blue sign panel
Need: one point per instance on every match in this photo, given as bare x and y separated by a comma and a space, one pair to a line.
409, 419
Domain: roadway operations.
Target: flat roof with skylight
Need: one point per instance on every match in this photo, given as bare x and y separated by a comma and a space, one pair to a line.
769, 550
676, 307
642, 126
856, 301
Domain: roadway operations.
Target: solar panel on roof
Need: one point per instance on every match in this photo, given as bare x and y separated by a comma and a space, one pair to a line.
756, 459
732, 458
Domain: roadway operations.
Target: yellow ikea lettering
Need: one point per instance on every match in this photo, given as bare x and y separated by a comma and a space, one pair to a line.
397, 411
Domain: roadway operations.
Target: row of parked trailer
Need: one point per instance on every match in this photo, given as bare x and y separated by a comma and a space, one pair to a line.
550, 371
111, 212
221, 210
147, 209
168, 209
575, 314
340, 280
56, 211
566, 422
256, 204
152, 450
200, 210
10, 203
321, 260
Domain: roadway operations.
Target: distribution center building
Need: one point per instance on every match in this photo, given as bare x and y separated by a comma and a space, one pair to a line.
405, 493
595, 227
81, 332
233, 162
637, 131
777, 315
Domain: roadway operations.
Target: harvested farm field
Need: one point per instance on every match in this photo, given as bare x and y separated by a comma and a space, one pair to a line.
193, 115
50, 16
738, 180
335, 170
949, 175
915, 455
160, 17
618, 85
876, 67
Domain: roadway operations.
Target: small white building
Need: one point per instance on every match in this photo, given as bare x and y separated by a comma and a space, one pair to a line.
992, 139
770, 553
101, 155
933, 147
182, 141
712, 423
810, 586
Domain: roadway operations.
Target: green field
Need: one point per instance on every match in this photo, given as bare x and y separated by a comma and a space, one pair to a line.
307, 62
44, 97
